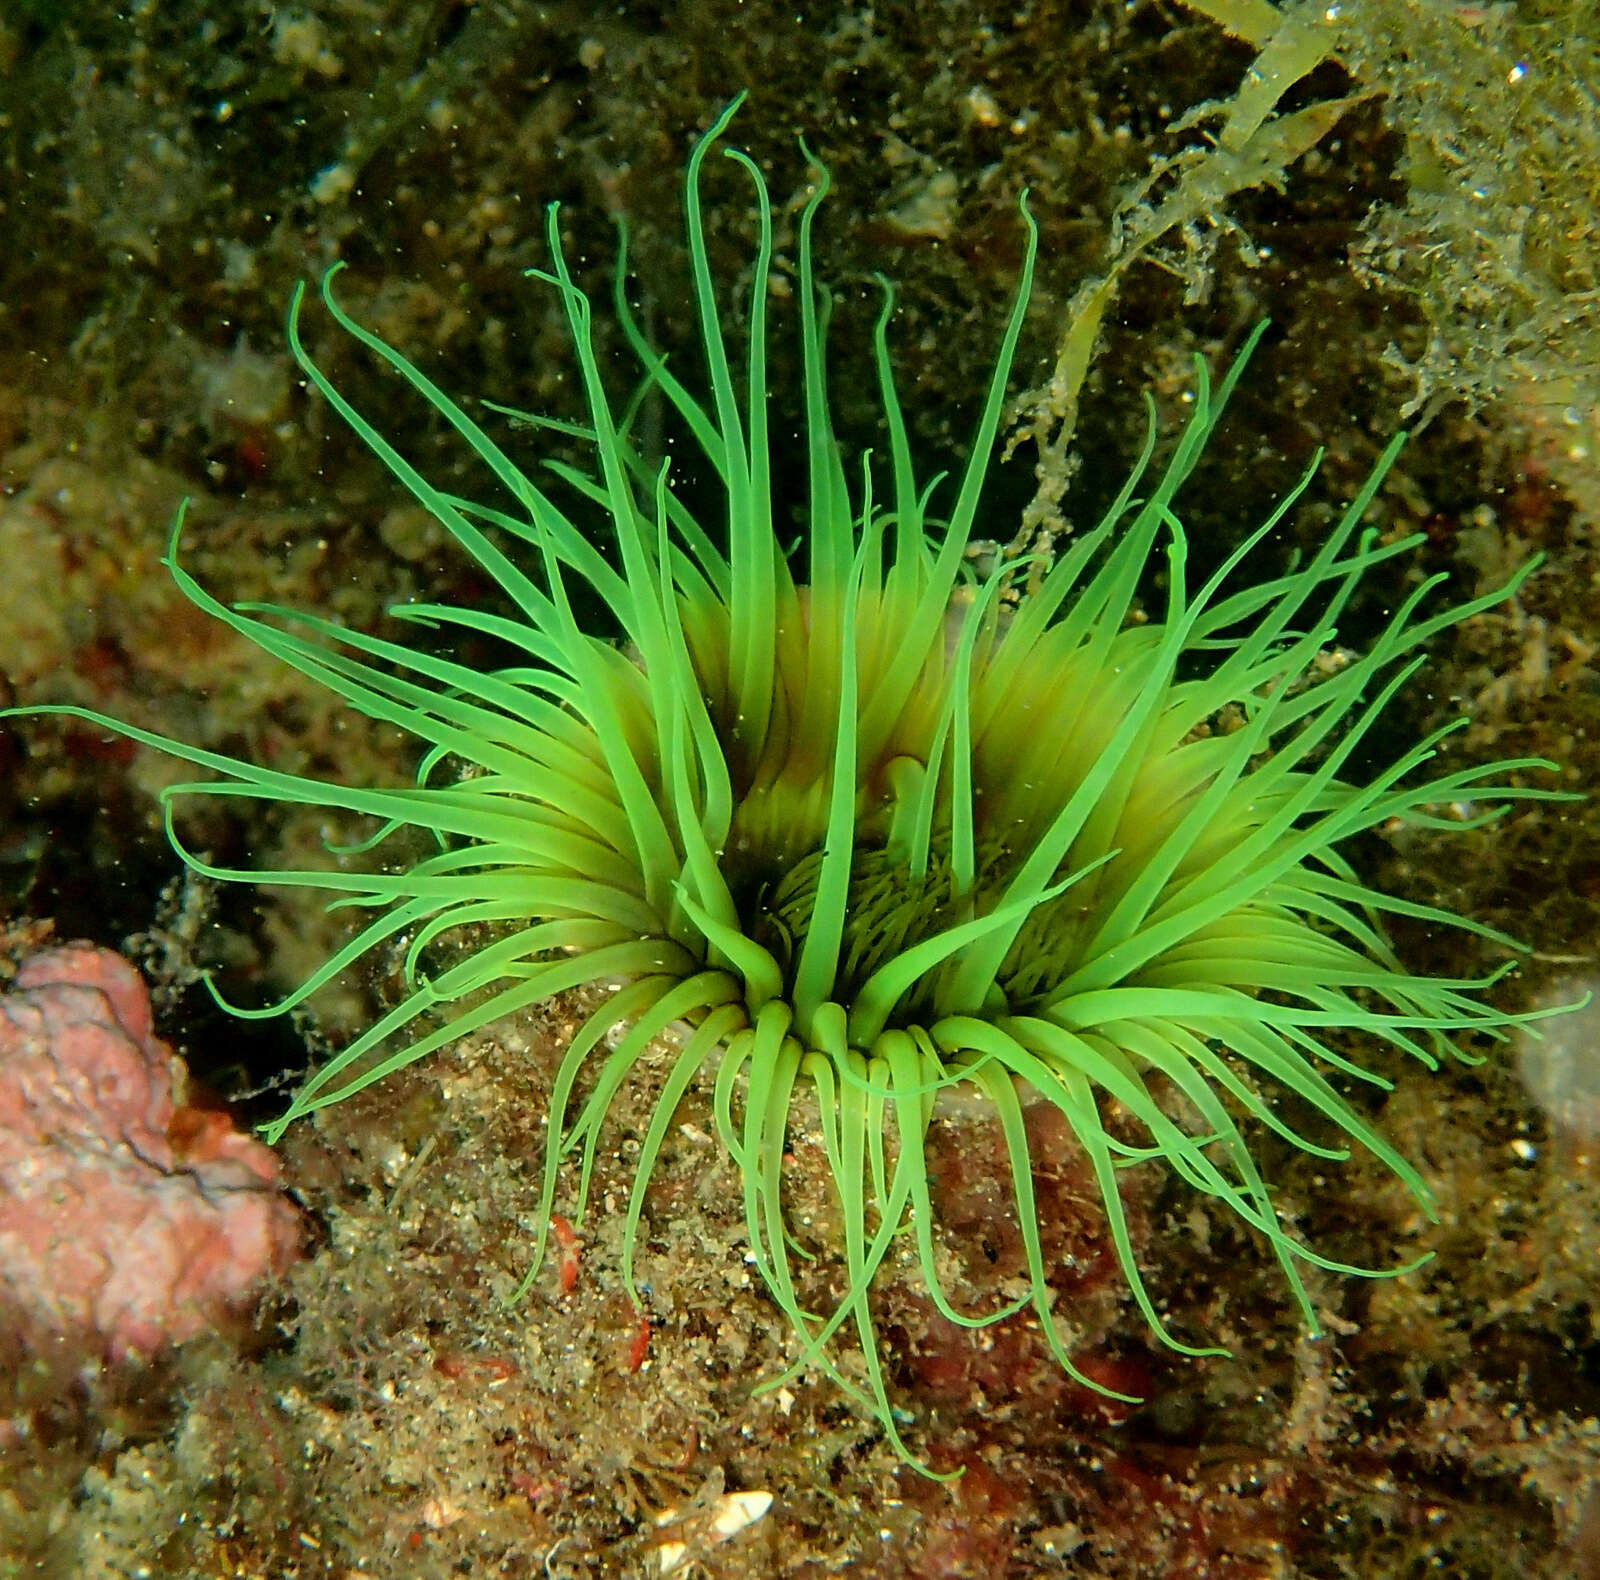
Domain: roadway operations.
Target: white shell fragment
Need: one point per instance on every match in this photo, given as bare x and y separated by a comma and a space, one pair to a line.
729, 1515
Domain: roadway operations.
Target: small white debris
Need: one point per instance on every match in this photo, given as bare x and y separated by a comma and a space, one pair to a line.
438, 1514
736, 1510
729, 1515
332, 183
981, 107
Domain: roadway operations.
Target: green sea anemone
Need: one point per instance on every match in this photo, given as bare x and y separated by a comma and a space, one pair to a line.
866, 822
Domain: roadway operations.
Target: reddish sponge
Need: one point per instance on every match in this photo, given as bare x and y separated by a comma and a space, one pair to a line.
123, 1218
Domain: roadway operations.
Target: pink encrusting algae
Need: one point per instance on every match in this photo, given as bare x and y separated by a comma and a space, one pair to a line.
126, 1218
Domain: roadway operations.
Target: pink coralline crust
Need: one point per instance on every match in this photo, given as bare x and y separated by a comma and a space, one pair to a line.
123, 1219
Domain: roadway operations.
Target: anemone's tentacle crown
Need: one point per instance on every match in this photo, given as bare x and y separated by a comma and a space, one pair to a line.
867, 831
